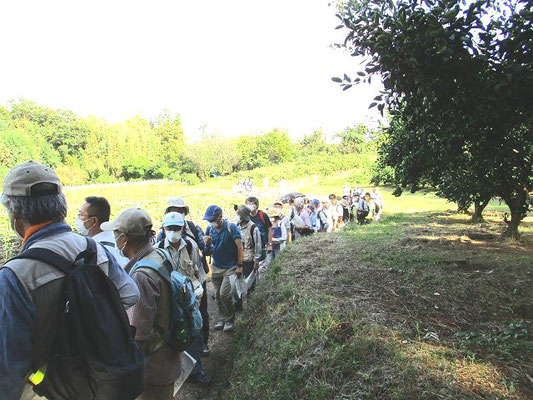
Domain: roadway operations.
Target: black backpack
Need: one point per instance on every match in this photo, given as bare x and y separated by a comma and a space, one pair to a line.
95, 356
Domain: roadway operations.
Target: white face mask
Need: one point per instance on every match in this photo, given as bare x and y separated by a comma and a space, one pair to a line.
251, 207
121, 251
173, 236
213, 224
80, 227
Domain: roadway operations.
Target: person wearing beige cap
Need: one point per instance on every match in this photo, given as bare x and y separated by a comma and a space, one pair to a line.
32, 289
151, 315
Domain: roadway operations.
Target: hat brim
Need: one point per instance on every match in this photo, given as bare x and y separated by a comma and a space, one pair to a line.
108, 226
173, 223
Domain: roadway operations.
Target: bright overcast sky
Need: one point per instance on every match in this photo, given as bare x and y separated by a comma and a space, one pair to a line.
235, 67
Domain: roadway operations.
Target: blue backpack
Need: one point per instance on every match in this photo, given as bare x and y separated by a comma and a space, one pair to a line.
185, 318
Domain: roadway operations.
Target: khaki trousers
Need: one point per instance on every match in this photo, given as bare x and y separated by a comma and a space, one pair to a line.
221, 281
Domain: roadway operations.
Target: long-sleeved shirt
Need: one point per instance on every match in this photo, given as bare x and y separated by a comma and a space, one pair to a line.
304, 215
162, 365
28, 285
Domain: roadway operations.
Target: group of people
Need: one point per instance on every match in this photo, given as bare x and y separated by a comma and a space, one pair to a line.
245, 186
109, 311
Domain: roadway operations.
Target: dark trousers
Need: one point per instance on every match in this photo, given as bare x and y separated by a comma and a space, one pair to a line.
195, 349
205, 314
361, 217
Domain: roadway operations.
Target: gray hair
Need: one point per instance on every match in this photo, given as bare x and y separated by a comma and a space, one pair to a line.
36, 210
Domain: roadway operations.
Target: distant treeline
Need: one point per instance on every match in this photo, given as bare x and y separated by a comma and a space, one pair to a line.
91, 150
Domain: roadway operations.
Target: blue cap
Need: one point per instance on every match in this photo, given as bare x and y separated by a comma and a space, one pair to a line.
212, 213
316, 202
173, 219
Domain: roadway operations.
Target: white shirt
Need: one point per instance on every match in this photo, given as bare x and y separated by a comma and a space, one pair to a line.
109, 237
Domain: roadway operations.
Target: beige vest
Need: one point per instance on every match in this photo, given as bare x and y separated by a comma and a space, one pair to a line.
247, 241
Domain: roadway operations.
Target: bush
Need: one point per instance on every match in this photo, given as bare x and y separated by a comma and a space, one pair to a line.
189, 179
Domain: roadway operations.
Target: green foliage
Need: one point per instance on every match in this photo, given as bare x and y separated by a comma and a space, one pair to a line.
354, 139
457, 79
91, 150
314, 143
271, 148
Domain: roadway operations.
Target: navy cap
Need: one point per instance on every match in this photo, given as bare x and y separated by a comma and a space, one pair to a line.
212, 213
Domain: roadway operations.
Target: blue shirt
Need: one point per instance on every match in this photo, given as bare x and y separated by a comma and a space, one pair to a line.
223, 246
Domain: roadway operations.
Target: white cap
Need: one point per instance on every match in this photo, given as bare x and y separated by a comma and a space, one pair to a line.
173, 219
299, 202
177, 202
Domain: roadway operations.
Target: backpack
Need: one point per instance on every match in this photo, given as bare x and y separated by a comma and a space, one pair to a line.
94, 354
262, 217
323, 221
252, 230
185, 318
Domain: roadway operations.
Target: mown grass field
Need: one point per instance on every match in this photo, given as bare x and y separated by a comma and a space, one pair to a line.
423, 305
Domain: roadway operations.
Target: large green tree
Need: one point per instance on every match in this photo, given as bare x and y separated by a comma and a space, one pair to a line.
457, 80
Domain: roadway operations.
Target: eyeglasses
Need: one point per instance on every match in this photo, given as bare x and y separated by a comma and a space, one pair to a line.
85, 215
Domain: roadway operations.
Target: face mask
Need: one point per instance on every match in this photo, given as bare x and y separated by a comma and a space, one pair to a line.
251, 207
213, 224
121, 251
238, 219
80, 227
173, 236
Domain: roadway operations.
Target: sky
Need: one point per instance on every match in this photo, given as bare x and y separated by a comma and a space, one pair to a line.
229, 67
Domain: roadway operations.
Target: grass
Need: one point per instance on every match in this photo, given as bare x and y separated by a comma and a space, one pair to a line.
423, 305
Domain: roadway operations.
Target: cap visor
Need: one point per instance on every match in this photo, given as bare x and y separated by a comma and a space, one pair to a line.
172, 224
108, 226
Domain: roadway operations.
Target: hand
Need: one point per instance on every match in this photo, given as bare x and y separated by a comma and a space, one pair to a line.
269, 248
256, 266
207, 240
238, 271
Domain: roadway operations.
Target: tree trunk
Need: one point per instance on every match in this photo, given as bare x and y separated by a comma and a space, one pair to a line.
479, 206
511, 231
518, 207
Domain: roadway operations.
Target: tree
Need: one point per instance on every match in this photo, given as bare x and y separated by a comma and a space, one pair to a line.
212, 155
314, 143
61, 128
457, 79
170, 132
353, 139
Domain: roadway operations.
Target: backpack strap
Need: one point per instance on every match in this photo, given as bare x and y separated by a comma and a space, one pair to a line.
58, 261
108, 244
252, 230
163, 269
191, 227
262, 217
188, 245
48, 257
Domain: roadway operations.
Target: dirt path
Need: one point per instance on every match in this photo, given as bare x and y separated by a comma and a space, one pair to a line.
218, 364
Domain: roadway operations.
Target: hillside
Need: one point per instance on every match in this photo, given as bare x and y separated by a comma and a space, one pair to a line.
420, 306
